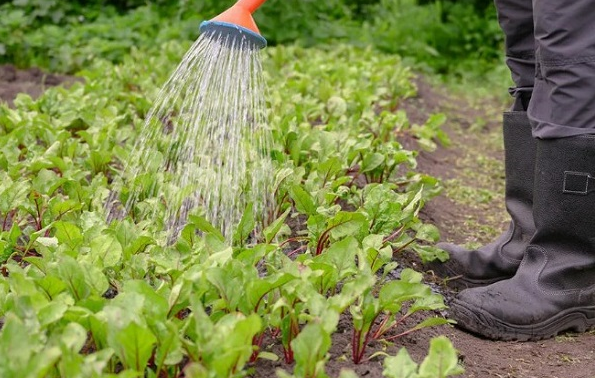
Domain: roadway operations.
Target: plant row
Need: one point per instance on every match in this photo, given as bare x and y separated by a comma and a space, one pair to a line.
83, 298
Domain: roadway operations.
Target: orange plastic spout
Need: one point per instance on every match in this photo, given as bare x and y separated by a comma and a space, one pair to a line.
241, 14
250, 5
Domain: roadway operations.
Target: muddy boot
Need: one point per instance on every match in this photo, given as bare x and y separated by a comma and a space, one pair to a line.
500, 259
554, 287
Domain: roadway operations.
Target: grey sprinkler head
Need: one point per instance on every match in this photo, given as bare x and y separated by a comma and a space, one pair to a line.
227, 29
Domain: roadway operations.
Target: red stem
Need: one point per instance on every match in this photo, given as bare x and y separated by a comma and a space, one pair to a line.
297, 239
256, 341
379, 332
404, 246
322, 241
354, 345
5, 221
393, 235
297, 250
39, 215
399, 335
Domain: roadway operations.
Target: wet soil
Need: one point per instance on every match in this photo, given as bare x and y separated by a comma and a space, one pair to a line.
476, 143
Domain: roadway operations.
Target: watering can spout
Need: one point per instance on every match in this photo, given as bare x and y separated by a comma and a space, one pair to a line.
238, 21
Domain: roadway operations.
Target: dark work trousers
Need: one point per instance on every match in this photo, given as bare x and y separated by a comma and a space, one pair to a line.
550, 50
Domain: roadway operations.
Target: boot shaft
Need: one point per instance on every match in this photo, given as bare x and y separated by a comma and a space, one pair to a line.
519, 162
564, 212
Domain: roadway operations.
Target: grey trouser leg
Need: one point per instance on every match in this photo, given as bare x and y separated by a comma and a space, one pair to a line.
516, 20
564, 96
560, 36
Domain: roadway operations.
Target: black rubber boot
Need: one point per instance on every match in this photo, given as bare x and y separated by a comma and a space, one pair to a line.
554, 287
500, 260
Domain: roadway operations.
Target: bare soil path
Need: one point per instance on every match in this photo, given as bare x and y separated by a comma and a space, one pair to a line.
471, 210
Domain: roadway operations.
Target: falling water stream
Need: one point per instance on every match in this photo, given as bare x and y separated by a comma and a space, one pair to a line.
203, 148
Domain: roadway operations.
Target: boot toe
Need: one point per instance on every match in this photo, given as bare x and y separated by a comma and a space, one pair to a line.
470, 268
471, 316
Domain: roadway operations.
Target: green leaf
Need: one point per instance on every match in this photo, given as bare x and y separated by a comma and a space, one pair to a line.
133, 345
64, 206
428, 303
372, 162
346, 223
71, 273
13, 196
341, 255
352, 290
246, 225
304, 202
329, 168
158, 308
68, 234
170, 350
202, 224
310, 348
442, 360
383, 208
395, 293
430, 253
24, 351
95, 278
258, 288
281, 176
106, 251
273, 229
179, 296
46, 182
234, 337
73, 337
336, 106
269, 356
428, 233
430, 322
400, 366
94, 364
51, 285
51, 313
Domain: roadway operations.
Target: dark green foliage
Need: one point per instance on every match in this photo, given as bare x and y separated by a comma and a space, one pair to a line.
67, 36
478, 5
440, 35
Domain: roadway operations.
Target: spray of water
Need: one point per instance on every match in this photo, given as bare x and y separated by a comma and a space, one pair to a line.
204, 145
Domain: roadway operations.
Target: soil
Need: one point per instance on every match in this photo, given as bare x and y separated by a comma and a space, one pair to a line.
475, 132
476, 142
32, 81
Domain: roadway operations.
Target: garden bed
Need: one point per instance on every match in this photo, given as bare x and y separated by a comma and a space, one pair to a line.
460, 216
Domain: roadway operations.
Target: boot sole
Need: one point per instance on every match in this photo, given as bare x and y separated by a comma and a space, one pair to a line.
482, 323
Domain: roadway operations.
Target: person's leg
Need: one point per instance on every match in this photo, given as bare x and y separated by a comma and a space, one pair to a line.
554, 287
516, 21
500, 259
565, 83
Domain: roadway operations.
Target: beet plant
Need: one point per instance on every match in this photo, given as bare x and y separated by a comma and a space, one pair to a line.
374, 316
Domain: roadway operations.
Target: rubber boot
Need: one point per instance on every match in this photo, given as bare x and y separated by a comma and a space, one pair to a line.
554, 287
500, 259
